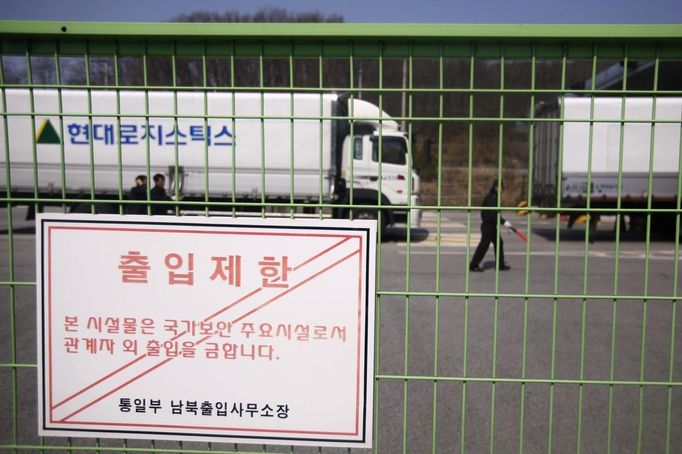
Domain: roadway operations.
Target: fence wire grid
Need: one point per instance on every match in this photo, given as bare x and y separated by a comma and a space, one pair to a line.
576, 349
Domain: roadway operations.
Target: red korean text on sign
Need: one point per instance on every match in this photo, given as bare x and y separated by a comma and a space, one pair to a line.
134, 267
175, 262
230, 272
275, 272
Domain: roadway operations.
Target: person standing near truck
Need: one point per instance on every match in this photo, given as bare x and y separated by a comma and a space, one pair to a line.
489, 232
138, 192
158, 192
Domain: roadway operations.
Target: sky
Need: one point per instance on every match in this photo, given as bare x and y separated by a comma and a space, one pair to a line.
396, 11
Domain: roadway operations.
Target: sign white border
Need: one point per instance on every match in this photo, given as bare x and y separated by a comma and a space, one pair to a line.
49, 425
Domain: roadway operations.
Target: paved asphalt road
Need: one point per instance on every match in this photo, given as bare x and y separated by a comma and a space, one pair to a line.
411, 327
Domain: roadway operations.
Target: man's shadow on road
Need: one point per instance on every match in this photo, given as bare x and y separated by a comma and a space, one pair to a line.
19, 231
605, 236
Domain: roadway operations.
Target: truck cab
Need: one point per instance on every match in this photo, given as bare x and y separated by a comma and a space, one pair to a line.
376, 166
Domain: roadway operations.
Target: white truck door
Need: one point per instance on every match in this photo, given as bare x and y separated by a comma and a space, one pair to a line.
394, 170
359, 159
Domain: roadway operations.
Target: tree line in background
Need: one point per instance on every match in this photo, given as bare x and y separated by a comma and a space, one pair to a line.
433, 140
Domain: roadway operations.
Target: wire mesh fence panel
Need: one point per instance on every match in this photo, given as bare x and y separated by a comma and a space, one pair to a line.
558, 145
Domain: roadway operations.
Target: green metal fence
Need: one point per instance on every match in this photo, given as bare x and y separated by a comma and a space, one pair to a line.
575, 349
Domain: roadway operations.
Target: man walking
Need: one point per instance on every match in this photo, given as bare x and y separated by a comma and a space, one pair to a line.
489, 232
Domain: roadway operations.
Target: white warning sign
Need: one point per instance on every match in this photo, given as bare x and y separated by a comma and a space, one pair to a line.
218, 329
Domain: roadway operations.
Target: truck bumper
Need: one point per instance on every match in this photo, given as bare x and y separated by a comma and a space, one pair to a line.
415, 213
400, 216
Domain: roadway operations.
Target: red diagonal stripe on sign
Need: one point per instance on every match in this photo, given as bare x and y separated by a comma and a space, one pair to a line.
310, 278
131, 363
240, 300
137, 377
166, 361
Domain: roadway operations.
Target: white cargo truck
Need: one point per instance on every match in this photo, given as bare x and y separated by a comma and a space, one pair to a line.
277, 147
636, 146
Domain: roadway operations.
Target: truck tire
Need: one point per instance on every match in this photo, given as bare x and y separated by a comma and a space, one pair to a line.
367, 213
664, 224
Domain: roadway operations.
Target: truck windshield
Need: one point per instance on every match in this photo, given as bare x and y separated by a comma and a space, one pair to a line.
393, 150
357, 148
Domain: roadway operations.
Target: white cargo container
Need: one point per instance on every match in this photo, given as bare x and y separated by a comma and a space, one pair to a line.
209, 145
634, 147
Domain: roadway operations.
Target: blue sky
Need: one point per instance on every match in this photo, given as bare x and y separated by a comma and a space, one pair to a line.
413, 11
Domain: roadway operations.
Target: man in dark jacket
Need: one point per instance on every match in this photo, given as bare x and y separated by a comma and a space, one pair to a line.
158, 192
138, 192
489, 232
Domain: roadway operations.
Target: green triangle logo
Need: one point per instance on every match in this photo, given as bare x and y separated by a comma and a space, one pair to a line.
47, 134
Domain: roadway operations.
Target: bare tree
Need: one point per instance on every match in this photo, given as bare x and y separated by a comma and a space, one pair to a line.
262, 15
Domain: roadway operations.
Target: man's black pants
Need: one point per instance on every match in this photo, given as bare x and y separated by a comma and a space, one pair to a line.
488, 235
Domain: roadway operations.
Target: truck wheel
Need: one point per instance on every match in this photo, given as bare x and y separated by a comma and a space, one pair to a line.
366, 213
663, 224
